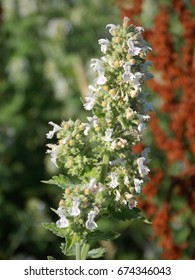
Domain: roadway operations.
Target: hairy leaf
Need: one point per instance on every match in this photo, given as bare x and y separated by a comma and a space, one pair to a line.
96, 253
53, 227
101, 235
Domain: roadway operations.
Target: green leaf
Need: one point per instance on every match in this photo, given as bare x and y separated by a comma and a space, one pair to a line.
125, 213
53, 227
50, 258
101, 235
96, 253
67, 248
62, 181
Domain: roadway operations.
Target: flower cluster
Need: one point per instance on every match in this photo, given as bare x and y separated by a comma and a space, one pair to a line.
98, 153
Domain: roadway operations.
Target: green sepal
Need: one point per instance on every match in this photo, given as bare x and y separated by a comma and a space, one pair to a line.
96, 253
53, 227
67, 248
101, 235
50, 258
124, 213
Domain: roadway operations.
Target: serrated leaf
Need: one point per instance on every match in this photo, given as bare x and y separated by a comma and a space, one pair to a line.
62, 182
67, 249
53, 227
124, 213
50, 258
96, 253
101, 235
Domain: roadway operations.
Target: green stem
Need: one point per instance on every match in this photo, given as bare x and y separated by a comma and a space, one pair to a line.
84, 251
78, 251
104, 168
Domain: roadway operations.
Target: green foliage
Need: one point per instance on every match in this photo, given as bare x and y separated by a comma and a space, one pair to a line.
101, 235
96, 253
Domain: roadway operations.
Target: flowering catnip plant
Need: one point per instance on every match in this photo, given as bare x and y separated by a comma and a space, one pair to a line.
101, 176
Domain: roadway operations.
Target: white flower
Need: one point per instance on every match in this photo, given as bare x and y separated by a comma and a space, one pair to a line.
132, 49
87, 128
145, 153
90, 224
97, 65
101, 80
137, 184
108, 135
139, 28
74, 210
118, 161
104, 44
127, 75
54, 152
130, 199
114, 180
51, 133
143, 169
62, 222
126, 181
136, 80
92, 185
90, 101
93, 120
111, 27
142, 118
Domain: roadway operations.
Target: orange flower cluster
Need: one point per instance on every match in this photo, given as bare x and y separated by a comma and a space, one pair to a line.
173, 126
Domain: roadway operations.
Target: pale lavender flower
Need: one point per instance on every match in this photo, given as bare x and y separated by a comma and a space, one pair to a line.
142, 118
87, 128
74, 210
143, 169
92, 185
54, 152
137, 184
127, 75
90, 223
104, 44
90, 101
101, 80
51, 133
145, 153
139, 28
63, 221
108, 135
130, 199
132, 49
111, 27
97, 65
114, 180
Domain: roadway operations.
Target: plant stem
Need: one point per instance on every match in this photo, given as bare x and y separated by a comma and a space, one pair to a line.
78, 251
84, 251
104, 168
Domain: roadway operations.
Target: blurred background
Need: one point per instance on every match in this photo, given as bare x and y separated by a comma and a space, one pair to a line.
46, 47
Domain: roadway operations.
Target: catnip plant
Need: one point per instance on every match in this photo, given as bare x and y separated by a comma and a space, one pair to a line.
101, 176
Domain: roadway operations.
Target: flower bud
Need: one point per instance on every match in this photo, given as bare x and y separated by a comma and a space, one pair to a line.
71, 142
104, 103
61, 203
67, 191
112, 92
133, 93
116, 63
97, 128
105, 87
116, 40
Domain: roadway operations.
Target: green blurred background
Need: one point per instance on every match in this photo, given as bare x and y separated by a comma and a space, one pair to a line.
46, 47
